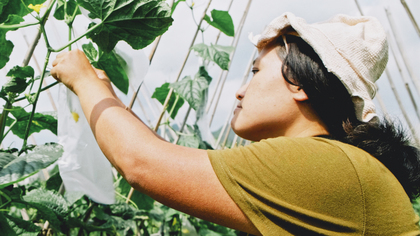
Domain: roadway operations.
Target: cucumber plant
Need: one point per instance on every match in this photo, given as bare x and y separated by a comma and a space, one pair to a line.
36, 206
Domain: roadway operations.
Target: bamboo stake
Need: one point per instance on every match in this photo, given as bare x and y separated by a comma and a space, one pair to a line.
234, 44
397, 97
407, 86
359, 8
401, 50
130, 194
222, 72
183, 64
244, 79
190, 108
413, 21
381, 103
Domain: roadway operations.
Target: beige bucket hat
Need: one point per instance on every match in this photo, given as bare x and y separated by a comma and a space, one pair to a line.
353, 48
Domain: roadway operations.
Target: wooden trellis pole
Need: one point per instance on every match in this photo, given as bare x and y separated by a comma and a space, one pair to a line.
413, 21
245, 78
190, 108
407, 86
402, 51
397, 97
224, 73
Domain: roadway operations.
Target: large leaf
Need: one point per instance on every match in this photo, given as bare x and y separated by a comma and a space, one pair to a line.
218, 54
222, 21
6, 46
5, 227
50, 199
45, 213
40, 121
189, 140
6, 158
141, 200
21, 226
17, 82
112, 63
137, 22
162, 92
24, 166
71, 7
18, 7
191, 89
2, 4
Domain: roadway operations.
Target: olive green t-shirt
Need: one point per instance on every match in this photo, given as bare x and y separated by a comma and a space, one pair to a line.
307, 186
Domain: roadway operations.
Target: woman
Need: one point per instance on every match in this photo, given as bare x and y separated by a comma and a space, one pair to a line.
322, 161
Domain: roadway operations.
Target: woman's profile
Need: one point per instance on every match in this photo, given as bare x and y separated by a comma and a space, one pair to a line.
323, 162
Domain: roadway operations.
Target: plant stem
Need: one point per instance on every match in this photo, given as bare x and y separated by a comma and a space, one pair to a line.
3, 119
47, 58
10, 128
76, 39
17, 26
42, 90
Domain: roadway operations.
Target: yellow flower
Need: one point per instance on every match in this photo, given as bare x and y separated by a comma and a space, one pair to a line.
75, 116
192, 4
37, 7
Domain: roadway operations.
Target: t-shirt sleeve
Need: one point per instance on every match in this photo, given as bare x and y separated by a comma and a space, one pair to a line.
292, 186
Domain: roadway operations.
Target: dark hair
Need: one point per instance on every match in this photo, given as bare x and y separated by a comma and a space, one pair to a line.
333, 104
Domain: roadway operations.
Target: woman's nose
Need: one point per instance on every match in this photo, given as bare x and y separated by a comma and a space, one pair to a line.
240, 94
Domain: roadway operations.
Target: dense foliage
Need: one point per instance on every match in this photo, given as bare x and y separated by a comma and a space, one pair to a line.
31, 205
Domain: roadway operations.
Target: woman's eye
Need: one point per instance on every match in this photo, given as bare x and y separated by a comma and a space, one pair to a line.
254, 71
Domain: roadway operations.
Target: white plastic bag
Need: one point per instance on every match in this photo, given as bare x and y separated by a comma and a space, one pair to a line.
83, 167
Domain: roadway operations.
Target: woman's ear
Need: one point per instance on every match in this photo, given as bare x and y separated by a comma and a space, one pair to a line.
298, 94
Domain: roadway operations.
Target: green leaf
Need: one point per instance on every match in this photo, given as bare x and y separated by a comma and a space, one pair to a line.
191, 89
16, 7
192, 141
6, 46
162, 92
90, 52
175, 4
17, 83
40, 121
141, 200
27, 165
137, 22
115, 67
44, 213
2, 4
112, 63
6, 158
50, 199
54, 182
222, 21
215, 53
21, 226
5, 227
71, 6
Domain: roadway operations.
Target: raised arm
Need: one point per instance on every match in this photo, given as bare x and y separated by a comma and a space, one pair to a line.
176, 176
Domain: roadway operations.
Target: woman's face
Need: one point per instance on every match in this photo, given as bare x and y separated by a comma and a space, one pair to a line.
267, 104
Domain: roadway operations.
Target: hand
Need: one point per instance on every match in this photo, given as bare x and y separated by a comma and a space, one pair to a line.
72, 69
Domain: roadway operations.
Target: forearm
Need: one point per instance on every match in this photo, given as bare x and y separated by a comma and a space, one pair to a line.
116, 130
